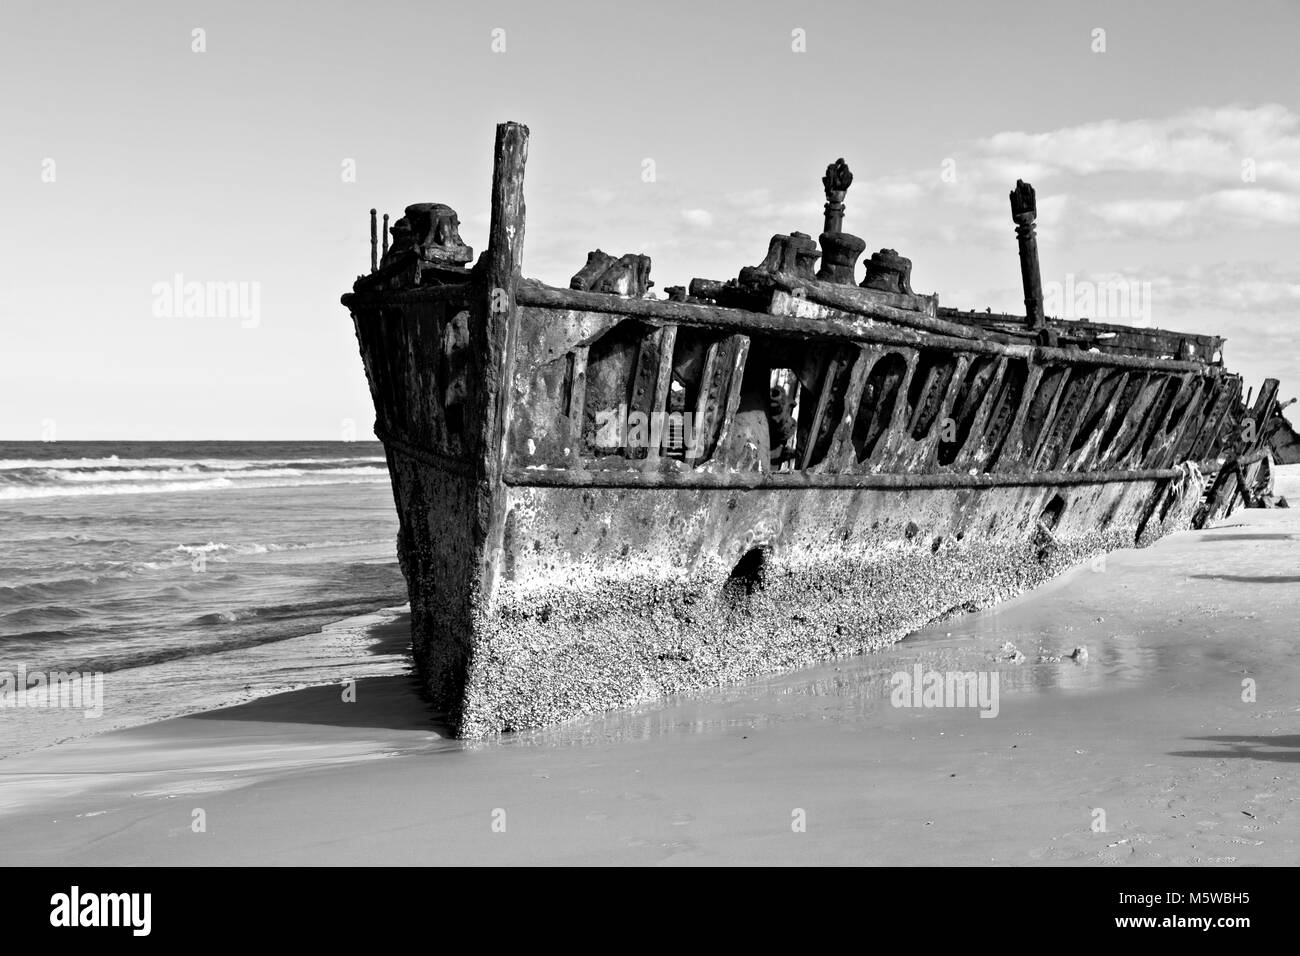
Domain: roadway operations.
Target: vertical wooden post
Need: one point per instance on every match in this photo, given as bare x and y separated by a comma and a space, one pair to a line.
502, 265
1024, 211
506, 234
374, 242
496, 338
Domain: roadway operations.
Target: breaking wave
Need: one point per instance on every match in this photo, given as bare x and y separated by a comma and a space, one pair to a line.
22, 479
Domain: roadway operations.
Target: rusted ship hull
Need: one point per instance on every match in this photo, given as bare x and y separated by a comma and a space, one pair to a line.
570, 547
841, 573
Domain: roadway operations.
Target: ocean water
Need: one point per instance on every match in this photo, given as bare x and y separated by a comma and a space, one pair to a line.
179, 570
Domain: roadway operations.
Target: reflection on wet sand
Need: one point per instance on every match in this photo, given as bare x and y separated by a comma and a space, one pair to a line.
856, 691
1142, 638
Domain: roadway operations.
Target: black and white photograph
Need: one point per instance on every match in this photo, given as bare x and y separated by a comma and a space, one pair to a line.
651, 433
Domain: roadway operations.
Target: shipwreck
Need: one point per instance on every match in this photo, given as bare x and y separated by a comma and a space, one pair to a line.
607, 496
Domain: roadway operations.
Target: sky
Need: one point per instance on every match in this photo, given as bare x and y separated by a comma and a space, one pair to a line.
244, 143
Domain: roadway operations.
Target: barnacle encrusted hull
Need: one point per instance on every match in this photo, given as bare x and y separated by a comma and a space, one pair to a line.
605, 497
612, 596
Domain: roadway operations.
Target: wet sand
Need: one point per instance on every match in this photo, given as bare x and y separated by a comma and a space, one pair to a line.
1152, 731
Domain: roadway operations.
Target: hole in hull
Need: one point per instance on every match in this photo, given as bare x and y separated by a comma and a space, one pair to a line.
1051, 514
747, 576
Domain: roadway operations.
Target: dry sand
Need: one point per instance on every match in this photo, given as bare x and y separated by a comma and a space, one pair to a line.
1152, 730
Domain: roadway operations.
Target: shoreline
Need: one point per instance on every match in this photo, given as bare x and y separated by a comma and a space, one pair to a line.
1152, 731
371, 643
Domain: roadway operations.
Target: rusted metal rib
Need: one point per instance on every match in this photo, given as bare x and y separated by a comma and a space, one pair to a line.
564, 478
848, 326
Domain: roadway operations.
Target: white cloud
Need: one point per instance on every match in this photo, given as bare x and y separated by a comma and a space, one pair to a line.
1180, 175
1203, 143
1148, 181
1176, 176
700, 218
1250, 288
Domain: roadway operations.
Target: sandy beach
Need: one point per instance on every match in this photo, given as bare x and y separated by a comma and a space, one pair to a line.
1144, 754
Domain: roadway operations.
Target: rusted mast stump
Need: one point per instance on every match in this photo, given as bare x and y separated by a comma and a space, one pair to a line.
840, 250
384, 236
1024, 211
837, 181
374, 241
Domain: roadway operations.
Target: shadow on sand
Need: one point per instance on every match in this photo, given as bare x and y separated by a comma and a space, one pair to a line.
1251, 578
1280, 748
382, 703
